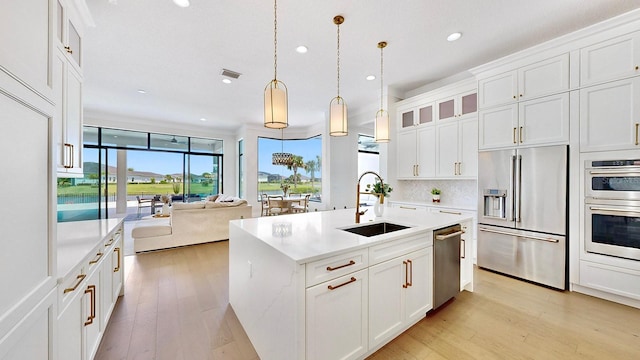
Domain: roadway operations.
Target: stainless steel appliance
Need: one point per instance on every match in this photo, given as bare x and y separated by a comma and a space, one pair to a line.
446, 264
612, 207
522, 213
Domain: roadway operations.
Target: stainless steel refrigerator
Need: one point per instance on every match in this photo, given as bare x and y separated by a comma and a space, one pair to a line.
522, 213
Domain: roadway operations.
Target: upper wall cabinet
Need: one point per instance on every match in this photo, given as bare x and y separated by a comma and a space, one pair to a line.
69, 30
535, 80
458, 106
416, 116
25, 54
613, 59
535, 122
610, 116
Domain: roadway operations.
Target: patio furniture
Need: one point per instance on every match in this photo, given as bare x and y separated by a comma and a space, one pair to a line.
141, 203
302, 207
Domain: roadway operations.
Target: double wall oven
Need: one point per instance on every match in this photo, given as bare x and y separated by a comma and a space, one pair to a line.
612, 208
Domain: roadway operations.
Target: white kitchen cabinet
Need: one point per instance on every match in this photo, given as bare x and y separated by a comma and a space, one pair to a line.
416, 153
91, 313
67, 87
541, 78
117, 272
542, 121
613, 59
69, 30
457, 106
416, 116
70, 340
457, 149
68, 129
466, 256
26, 43
610, 116
400, 293
337, 318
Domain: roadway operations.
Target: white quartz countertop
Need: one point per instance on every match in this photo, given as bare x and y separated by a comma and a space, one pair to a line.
442, 205
315, 235
77, 238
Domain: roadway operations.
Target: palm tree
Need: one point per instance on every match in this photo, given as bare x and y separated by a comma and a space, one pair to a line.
296, 163
310, 167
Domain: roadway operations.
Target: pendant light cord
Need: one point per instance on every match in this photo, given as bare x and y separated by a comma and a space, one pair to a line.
338, 60
381, 92
275, 39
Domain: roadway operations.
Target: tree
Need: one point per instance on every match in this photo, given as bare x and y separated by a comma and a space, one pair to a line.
318, 163
168, 177
310, 167
296, 163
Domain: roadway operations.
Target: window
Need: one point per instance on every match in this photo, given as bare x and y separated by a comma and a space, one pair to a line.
301, 176
157, 164
368, 160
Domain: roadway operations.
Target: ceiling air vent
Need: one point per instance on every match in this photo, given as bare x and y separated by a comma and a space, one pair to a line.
230, 74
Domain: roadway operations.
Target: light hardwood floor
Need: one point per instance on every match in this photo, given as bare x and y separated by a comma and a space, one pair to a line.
176, 307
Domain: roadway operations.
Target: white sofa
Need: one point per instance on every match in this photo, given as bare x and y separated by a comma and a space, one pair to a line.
189, 223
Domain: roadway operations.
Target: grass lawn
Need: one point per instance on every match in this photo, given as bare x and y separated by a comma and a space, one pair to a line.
134, 189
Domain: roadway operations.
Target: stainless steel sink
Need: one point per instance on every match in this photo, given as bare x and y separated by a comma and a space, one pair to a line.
375, 229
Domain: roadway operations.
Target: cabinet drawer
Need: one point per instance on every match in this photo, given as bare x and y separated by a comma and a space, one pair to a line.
611, 279
335, 266
115, 235
70, 286
392, 249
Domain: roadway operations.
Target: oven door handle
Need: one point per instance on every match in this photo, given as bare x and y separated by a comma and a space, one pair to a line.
614, 211
631, 172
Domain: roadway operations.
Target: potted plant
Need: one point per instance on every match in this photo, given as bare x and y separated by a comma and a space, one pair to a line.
435, 195
376, 190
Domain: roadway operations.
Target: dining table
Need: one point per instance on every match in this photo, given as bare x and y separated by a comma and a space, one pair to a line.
285, 202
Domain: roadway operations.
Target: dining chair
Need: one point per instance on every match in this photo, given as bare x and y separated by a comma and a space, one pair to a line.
275, 205
141, 202
304, 207
264, 199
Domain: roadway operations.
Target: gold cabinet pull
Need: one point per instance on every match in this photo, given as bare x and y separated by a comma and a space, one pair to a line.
418, 170
80, 278
410, 282
521, 134
406, 274
514, 135
514, 96
464, 250
97, 258
117, 268
109, 243
91, 289
637, 133
407, 207
330, 287
450, 212
67, 156
351, 262
68, 48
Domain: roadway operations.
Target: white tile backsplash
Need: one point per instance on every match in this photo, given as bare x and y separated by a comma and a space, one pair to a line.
455, 193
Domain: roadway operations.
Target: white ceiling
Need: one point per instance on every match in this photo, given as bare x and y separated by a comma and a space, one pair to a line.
176, 54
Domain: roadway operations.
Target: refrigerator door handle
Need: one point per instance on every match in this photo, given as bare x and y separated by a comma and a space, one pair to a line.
548, 239
518, 198
512, 188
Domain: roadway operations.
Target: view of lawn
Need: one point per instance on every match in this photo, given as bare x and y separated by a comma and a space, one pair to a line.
133, 189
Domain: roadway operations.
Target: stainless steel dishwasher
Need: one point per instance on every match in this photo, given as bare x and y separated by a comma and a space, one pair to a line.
446, 264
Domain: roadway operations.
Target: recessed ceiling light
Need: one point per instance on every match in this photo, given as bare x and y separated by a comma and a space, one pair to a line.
226, 81
203, 119
371, 77
302, 49
455, 36
181, 3
142, 91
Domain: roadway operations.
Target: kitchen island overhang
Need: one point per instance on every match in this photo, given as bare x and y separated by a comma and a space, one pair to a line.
270, 272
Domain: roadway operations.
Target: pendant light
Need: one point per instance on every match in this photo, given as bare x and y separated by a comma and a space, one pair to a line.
282, 158
382, 116
337, 106
275, 93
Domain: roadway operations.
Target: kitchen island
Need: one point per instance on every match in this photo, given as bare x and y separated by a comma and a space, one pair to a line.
304, 288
